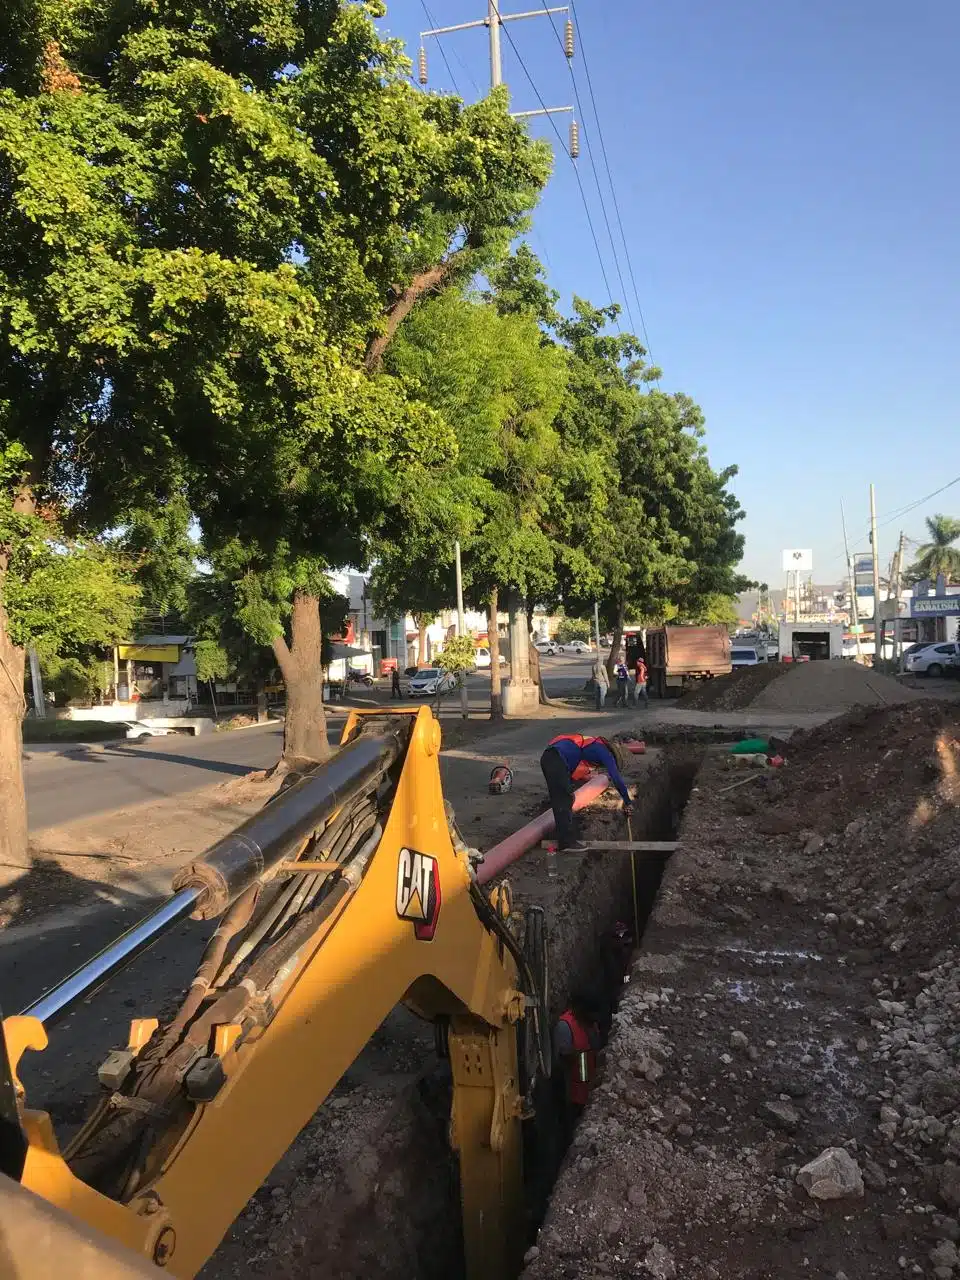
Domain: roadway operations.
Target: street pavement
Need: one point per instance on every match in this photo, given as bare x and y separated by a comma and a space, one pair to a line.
64, 782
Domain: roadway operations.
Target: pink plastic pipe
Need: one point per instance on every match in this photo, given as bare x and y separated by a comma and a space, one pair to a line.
501, 855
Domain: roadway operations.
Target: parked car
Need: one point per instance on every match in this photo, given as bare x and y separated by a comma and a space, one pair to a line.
481, 659
745, 656
137, 731
430, 682
575, 646
547, 647
933, 659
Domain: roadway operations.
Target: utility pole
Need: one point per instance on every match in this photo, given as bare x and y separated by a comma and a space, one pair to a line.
854, 611
897, 580
877, 628
461, 629
596, 625
493, 22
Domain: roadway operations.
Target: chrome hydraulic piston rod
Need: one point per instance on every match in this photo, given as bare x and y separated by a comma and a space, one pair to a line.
207, 886
55, 1003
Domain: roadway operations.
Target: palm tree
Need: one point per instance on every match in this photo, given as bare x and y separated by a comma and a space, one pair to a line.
938, 555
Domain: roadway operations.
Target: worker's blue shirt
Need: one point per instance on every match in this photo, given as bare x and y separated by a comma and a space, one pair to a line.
594, 753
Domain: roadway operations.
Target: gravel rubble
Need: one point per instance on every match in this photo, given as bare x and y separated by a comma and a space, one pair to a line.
798, 995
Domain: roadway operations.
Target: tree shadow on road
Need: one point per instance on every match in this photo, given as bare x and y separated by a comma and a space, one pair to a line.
196, 762
47, 888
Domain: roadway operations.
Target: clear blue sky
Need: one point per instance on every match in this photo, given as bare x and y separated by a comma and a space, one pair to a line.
790, 194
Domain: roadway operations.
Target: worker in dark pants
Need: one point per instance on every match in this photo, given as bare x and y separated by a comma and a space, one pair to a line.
395, 691
567, 760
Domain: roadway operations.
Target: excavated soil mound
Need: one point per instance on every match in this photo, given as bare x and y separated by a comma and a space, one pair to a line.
782, 1095
732, 692
831, 686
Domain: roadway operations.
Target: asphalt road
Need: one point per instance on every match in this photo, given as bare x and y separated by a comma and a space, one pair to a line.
64, 783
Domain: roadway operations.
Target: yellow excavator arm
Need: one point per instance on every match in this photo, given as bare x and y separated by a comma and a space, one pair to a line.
349, 892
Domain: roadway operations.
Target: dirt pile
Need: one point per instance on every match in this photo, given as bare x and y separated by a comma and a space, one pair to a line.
732, 692
831, 686
782, 1093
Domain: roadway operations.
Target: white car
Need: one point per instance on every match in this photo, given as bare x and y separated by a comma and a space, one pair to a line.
430, 682
137, 731
745, 656
933, 659
481, 659
547, 647
575, 646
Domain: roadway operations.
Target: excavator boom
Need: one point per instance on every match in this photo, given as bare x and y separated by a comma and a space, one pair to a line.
349, 892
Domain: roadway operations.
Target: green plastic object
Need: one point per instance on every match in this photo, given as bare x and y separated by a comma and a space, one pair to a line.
751, 747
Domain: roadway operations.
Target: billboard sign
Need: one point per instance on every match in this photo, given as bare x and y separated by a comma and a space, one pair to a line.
934, 606
798, 560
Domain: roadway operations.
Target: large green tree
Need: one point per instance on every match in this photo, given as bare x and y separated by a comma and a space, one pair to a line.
656, 523
216, 218
497, 385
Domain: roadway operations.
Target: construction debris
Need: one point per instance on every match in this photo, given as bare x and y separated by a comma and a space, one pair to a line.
798, 996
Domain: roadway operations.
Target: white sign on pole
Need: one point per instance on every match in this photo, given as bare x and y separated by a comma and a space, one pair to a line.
801, 561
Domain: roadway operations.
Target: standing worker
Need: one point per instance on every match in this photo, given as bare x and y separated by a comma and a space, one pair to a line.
576, 1043
395, 691
641, 674
623, 683
600, 681
566, 760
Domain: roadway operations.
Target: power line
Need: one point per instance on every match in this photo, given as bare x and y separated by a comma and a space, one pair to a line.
583, 194
920, 501
900, 512
613, 189
593, 164
609, 173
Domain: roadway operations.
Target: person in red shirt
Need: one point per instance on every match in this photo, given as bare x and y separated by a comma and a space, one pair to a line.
640, 690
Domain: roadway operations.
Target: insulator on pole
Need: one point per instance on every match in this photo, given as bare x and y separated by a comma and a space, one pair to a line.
568, 38
422, 65
574, 139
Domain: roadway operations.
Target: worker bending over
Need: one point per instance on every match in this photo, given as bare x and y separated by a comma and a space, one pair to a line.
567, 760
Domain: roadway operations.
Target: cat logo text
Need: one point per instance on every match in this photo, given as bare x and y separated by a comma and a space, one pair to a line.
418, 892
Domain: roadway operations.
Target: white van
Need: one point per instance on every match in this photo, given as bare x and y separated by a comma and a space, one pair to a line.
744, 656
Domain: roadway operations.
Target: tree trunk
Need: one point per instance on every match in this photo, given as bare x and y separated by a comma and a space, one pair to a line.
537, 676
421, 642
305, 726
617, 637
14, 848
13, 804
493, 640
213, 699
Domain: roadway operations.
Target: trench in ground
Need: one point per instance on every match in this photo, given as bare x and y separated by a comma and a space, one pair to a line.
388, 1202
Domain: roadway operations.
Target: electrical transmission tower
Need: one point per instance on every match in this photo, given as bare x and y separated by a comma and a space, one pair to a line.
493, 22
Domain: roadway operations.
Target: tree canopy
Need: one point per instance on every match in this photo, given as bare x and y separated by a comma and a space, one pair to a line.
939, 555
257, 289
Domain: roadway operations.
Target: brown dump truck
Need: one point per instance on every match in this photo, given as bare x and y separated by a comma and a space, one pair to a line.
676, 655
